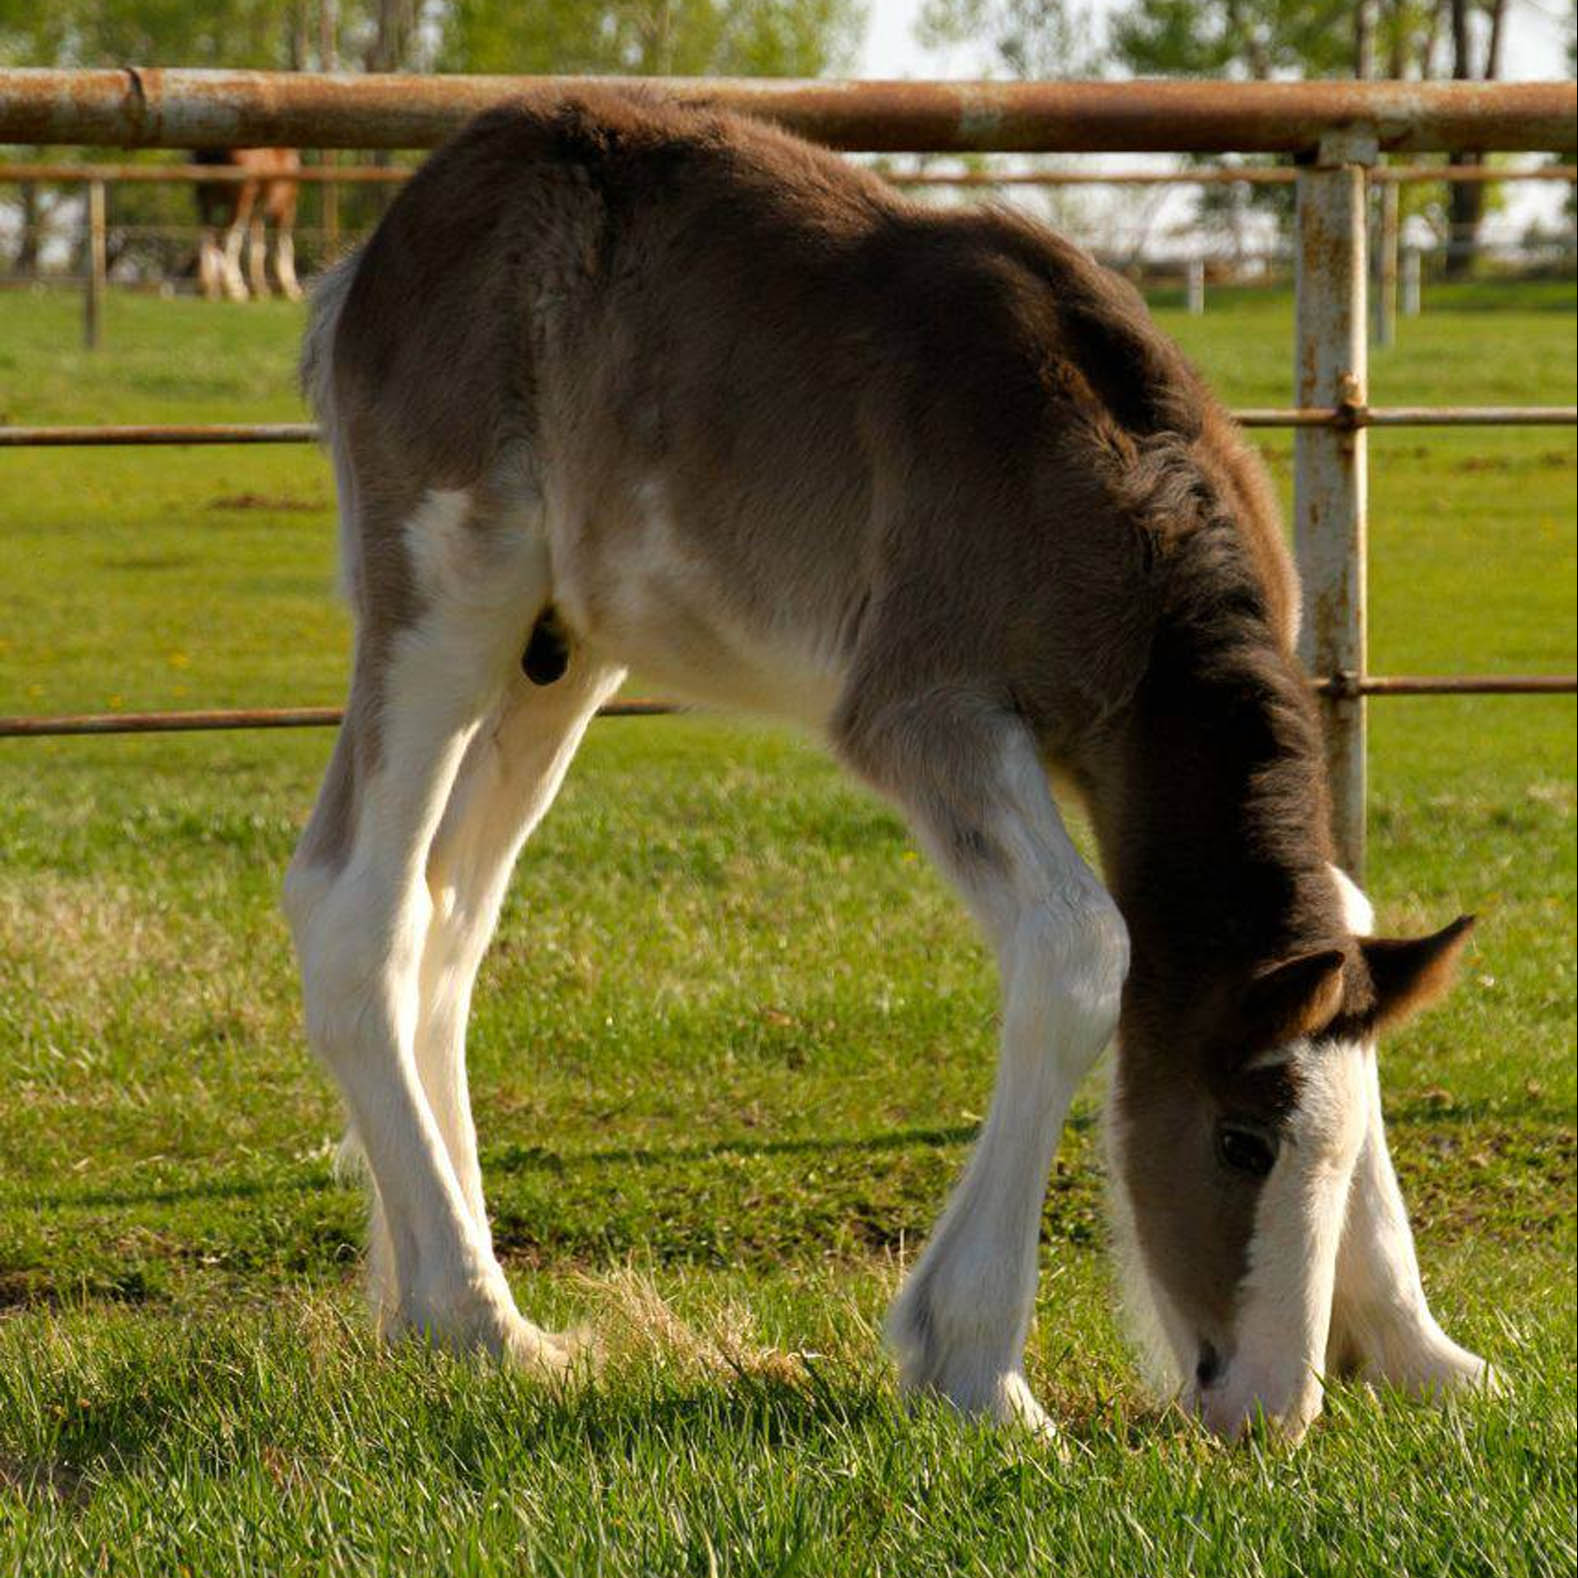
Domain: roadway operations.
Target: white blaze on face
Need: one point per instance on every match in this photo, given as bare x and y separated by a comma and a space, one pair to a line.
1284, 1303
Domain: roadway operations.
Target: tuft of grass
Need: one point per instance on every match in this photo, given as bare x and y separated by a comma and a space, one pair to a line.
729, 1050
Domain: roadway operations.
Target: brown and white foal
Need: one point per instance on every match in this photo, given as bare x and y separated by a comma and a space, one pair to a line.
237, 211
616, 384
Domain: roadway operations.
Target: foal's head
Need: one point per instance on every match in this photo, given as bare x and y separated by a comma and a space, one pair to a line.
1234, 1133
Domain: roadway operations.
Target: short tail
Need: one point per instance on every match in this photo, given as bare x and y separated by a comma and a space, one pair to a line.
317, 385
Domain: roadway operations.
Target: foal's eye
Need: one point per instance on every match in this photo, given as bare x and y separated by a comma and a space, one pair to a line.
1246, 1148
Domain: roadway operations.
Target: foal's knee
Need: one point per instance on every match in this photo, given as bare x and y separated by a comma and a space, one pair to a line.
1073, 953
357, 940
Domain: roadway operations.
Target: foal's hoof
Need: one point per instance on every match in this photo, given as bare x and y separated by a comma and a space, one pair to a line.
1015, 1404
1004, 1400
487, 1323
1449, 1370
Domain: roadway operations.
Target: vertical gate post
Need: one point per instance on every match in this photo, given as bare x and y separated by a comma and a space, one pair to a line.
1329, 471
93, 302
1386, 265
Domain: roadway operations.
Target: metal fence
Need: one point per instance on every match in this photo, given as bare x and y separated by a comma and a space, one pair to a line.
1337, 130
1393, 264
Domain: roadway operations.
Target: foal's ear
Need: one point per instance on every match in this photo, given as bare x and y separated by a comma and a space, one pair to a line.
1295, 998
1411, 975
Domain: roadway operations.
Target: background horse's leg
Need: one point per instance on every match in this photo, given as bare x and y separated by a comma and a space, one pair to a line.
257, 256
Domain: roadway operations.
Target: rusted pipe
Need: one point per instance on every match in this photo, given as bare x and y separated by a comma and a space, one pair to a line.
158, 173
241, 718
1330, 474
1349, 685
1254, 175
146, 107
1345, 417
329, 717
154, 433
1356, 416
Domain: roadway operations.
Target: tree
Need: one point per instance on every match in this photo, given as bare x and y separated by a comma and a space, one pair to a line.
796, 38
1466, 199
1030, 38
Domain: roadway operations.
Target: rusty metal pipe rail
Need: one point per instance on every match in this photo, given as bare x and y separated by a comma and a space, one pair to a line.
1275, 175
1349, 418
154, 433
388, 175
215, 719
145, 107
1344, 417
241, 718
157, 174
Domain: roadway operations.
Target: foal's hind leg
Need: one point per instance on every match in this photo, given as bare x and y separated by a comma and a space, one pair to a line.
969, 775
1382, 1328
358, 901
510, 774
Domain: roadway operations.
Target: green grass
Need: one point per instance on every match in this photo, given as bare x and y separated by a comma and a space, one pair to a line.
733, 1033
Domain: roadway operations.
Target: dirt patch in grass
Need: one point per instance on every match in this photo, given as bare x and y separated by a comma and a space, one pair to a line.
275, 502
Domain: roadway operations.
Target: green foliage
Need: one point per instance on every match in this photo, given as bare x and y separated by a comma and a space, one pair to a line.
788, 38
239, 33
1030, 38
1256, 38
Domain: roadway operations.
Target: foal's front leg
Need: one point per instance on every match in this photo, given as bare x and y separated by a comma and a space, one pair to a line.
1382, 1328
972, 781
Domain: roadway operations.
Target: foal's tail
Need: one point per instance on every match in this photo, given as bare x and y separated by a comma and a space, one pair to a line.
317, 384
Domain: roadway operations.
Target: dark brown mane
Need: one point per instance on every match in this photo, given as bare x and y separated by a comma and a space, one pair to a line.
1222, 862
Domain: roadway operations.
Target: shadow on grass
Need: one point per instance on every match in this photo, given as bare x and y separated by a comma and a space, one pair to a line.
1500, 1122
514, 1159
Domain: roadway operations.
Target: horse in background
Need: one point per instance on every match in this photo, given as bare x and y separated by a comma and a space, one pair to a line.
235, 210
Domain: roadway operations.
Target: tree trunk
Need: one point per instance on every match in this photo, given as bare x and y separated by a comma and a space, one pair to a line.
1431, 39
1364, 40
31, 239
1465, 199
1396, 43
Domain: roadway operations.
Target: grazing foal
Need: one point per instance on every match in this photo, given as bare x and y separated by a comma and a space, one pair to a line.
622, 384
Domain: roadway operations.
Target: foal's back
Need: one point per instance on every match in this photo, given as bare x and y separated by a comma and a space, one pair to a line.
774, 410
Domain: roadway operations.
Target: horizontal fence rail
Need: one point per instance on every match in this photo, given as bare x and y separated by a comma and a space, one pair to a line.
1343, 417
1221, 175
212, 718
145, 107
206, 719
1339, 131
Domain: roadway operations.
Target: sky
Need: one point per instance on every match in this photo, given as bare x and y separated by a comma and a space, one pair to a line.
1534, 48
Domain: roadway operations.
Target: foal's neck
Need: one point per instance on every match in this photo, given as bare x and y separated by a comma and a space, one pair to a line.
1215, 819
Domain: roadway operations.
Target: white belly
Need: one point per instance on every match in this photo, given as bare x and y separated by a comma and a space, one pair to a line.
652, 601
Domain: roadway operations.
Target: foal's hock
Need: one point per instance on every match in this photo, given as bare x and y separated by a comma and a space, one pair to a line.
620, 384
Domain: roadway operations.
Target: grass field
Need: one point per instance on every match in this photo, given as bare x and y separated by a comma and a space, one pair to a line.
729, 1050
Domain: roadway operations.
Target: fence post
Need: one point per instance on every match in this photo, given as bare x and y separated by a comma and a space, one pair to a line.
1386, 266
1329, 478
93, 302
1196, 287
1412, 269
